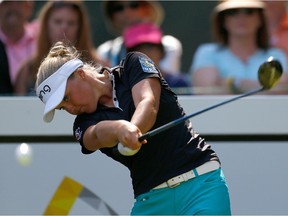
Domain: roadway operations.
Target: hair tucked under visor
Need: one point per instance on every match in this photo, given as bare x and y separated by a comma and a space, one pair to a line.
56, 69
58, 55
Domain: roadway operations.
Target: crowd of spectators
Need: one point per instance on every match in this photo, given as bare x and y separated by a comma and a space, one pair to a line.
245, 33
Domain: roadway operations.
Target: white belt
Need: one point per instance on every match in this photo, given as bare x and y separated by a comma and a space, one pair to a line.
205, 168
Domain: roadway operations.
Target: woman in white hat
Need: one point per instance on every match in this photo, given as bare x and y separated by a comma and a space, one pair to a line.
230, 65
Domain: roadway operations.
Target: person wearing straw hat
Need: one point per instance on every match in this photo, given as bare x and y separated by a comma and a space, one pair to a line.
173, 173
230, 65
121, 14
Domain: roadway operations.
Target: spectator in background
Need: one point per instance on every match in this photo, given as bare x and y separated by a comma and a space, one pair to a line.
231, 65
16, 39
147, 38
277, 22
58, 21
33, 24
120, 14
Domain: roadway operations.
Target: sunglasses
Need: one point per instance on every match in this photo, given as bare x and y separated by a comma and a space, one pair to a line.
119, 7
246, 11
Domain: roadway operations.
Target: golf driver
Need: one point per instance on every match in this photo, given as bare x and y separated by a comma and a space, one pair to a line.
269, 73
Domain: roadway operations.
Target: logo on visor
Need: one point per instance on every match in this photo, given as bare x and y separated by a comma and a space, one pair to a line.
44, 90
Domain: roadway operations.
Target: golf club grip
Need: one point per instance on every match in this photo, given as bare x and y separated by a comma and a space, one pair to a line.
144, 136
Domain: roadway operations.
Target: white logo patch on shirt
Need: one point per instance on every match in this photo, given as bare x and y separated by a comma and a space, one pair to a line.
78, 134
147, 65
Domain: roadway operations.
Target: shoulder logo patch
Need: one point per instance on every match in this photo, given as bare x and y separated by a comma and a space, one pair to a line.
147, 65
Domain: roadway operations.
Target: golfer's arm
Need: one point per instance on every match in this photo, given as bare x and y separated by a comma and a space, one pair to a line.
146, 96
101, 135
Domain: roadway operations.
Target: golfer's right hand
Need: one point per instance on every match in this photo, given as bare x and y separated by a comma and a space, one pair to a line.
128, 135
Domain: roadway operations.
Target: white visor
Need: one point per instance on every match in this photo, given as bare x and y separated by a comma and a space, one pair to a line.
52, 90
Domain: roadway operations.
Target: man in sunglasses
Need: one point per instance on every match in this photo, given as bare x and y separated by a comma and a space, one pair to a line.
121, 14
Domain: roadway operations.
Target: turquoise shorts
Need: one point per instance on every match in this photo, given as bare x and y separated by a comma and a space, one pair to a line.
203, 195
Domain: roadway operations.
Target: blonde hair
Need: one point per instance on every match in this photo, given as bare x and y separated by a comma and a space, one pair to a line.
58, 55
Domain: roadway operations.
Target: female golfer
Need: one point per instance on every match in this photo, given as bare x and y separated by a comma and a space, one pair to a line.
174, 172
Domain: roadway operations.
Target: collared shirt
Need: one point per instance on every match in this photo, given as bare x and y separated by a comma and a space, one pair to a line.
18, 52
166, 154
